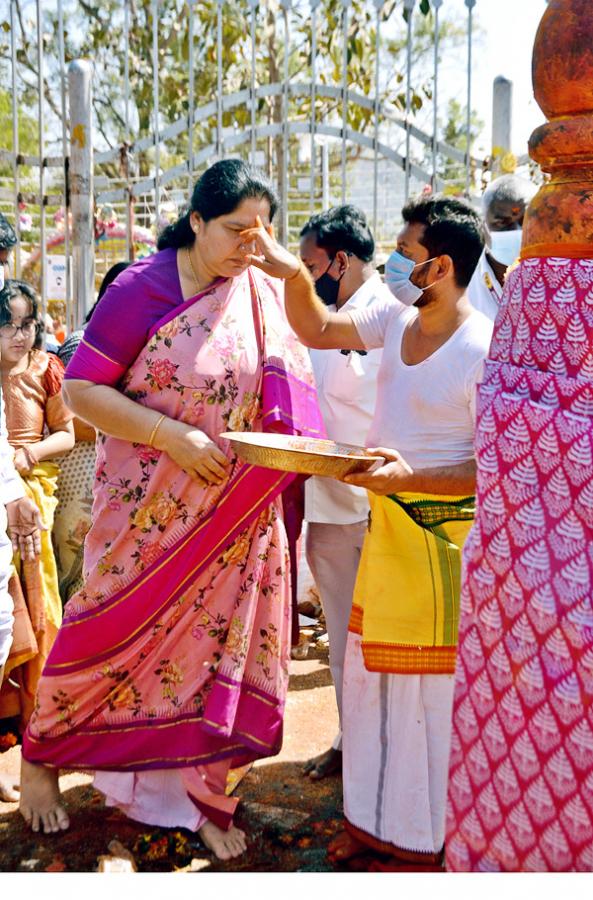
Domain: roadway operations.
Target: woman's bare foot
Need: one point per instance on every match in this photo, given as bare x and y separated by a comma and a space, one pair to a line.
328, 763
9, 786
224, 844
40, 804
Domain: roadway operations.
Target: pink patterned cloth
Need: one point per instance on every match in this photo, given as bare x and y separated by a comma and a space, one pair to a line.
521, 769
175, 653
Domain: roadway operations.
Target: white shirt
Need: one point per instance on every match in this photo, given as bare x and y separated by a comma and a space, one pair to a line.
426, 411
11, 486
346, 391
484, 291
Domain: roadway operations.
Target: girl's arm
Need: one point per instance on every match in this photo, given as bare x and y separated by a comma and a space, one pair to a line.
60, 441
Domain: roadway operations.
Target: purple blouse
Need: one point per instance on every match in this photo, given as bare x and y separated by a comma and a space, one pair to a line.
141, 295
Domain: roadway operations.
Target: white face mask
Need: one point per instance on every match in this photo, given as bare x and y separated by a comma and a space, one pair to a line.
398, 269
506, 245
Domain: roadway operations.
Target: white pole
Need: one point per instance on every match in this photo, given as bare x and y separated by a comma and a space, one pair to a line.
502, 113
81, 186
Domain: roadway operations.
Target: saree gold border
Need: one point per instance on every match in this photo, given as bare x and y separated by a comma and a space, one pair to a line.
246, 690
161, 759
288, 416
145, 578
261, 699
256, 740
302, 386
100, 353
140, 762
246, 734
74, 662
126, 729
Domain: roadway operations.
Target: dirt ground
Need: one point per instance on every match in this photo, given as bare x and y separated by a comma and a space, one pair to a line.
289, 818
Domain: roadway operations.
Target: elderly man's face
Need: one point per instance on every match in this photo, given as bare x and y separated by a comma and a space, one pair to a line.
505, 215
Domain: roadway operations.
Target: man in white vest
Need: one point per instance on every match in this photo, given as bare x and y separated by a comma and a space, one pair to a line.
337, 247
504, 203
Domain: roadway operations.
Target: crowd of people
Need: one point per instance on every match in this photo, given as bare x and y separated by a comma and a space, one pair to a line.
169, 663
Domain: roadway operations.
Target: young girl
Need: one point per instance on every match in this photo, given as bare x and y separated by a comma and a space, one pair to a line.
39, 429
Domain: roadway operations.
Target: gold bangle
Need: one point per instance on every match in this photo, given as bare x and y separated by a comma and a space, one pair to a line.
154, 430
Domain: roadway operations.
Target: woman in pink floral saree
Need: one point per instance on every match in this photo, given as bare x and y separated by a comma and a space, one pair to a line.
172, 662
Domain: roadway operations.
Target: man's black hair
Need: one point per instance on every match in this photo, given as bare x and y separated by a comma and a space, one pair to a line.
452, 227
7, 234
342, 228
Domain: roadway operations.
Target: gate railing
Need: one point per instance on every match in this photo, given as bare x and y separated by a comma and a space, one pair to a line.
377, 165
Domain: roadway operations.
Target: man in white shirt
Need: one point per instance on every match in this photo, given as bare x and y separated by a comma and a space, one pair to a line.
337, 248
504, 203
400, 656
21, 515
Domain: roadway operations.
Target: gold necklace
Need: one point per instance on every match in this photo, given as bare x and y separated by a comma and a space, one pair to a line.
193, 271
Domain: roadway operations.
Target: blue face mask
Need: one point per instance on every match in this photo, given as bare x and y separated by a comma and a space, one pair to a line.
506, 246
398, 269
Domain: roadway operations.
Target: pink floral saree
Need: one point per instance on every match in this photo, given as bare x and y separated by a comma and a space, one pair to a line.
175, 653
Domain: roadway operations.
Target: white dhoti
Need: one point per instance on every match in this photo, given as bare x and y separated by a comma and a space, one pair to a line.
396, 740
6, 605
333, 555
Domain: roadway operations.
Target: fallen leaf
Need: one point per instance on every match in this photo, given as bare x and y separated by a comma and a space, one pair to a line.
56, 865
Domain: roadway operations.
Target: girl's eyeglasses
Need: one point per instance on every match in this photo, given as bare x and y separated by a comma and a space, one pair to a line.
10, 329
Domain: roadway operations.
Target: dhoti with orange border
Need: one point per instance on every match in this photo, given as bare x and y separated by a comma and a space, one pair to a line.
398, 675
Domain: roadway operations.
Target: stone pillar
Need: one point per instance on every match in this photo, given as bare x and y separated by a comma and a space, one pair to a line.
561, 213
502, 118
81, 187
